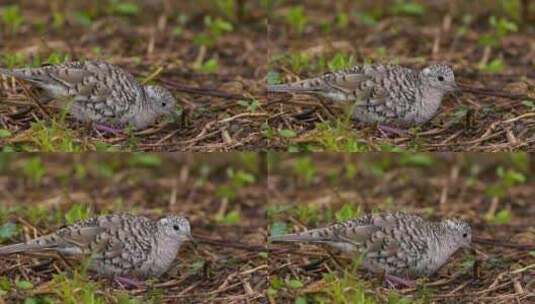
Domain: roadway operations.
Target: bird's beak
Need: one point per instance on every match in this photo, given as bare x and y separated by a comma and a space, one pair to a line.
455, 88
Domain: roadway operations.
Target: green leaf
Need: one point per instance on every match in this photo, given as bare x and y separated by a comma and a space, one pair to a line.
294, 284
4, 133
145, 160
77, 213
83, 18
287, 133
125, 8
529, 103
418, 159
278, 228
300, 300
273, 77
500, 218
7, 230
23, 284
231, 218
407, 8
346, 212
209, 66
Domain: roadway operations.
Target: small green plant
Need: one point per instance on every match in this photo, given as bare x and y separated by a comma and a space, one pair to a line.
340, 61
298, 61
278, 228
209, 66
214, 29
237, 180
144, 160
496, 65
501, 27
13, 60
34, 170
54, 138
57, 58
227, 8
58, 20
345, 288
117, 7
230, 218
251, 106
11, 17
338, 136
76, 213
415, 159
304, 169
499, 218
7, 231
347, 212
507, 179
83, 18
296, 19
403, 7
273, 77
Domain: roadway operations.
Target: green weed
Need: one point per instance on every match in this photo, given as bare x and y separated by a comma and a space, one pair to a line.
11, 17
296, 19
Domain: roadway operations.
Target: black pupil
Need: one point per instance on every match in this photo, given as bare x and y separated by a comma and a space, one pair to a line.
440, 78
465, 235
163, 104
175, 227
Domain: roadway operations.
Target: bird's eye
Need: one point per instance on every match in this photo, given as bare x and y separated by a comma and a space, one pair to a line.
176, 227
440, 78
163, 104
465, 235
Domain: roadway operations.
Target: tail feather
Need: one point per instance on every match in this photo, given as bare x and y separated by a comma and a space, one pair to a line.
5, 72
315, 235
16, 248
305, 86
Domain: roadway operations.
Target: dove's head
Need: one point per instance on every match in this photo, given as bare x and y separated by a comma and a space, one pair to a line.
175, 227
162, 101
439, 77
458, 231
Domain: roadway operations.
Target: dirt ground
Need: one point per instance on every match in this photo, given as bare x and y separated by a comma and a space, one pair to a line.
316, 190
216, 57
223, 197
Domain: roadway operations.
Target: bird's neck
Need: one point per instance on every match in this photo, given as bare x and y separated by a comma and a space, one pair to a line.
444, 248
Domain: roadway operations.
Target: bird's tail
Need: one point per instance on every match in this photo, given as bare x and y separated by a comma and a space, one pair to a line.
313, 85
319, 235
16, 248
5, 72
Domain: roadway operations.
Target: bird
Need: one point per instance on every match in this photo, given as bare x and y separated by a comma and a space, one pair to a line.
99, 92
398, 244
388, 95
117, 245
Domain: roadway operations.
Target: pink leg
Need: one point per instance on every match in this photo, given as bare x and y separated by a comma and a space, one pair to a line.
107, 129
128, 283
386, 131
395, 282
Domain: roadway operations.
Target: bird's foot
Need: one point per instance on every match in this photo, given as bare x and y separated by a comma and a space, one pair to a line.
386, 131
128, 283
107, 129
396, 282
